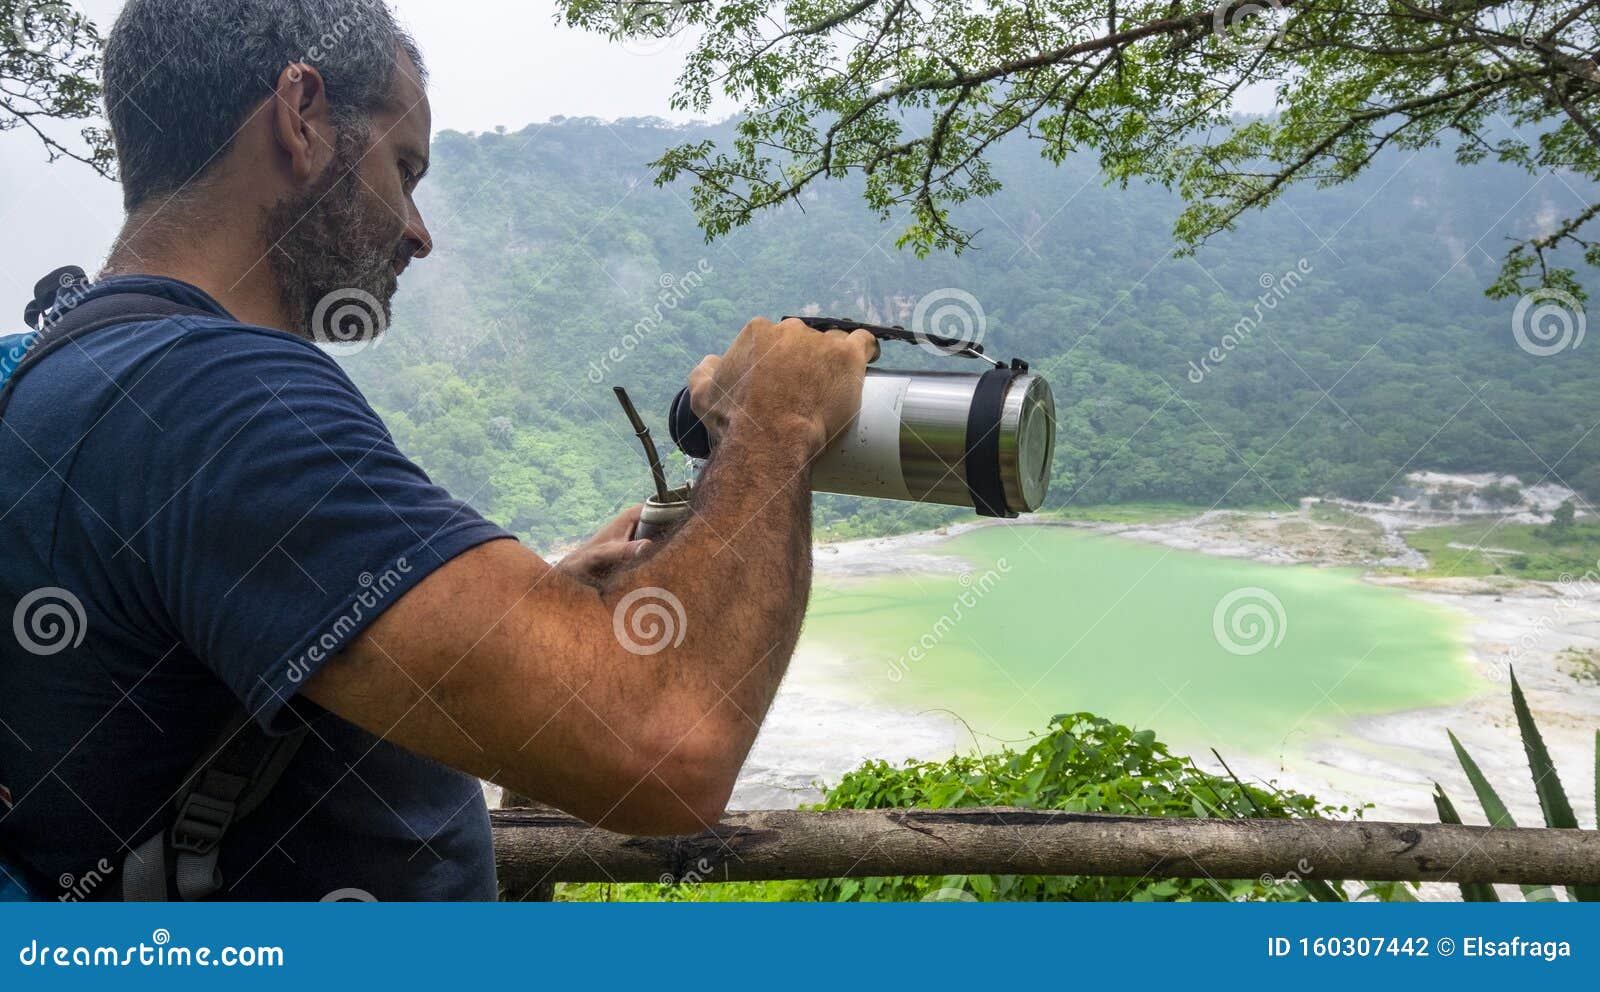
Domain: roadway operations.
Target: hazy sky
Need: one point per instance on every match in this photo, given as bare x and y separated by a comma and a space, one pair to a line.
507, 62
492, 62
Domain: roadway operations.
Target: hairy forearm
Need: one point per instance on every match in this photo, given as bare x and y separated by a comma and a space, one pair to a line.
759, 571
740, 570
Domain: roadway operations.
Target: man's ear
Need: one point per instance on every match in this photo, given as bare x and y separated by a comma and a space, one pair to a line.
302, 122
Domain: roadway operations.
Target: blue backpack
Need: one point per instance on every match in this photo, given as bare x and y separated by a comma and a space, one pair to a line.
236, 771
13, 349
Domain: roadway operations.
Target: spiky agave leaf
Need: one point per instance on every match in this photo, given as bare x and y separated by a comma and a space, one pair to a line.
1495, 810
1552, 797
1493, 807
1470, 891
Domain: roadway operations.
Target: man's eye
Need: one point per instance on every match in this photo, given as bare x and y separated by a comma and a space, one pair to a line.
407, 176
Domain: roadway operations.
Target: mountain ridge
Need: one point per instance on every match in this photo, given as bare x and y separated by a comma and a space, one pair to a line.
1381, 354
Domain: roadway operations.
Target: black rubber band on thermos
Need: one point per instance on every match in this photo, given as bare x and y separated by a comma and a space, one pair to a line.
688, 433
984, 485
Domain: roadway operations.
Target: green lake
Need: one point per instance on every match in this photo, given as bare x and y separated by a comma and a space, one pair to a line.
1207, 651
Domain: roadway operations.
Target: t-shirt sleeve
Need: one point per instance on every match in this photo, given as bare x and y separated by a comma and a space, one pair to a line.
273, 519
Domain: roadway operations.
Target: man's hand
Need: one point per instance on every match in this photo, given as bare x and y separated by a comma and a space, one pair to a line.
609, 549
779, 378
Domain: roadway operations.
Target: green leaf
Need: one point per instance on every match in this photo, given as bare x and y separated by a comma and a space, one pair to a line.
1470, 891
1591, 893
1389, 892
983, 885
1493, 808
1323, 891
1552, 797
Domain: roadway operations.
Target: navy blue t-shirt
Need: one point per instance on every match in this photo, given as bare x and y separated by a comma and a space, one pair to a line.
215, 511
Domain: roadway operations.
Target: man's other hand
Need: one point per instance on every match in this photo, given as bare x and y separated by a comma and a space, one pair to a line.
610, 548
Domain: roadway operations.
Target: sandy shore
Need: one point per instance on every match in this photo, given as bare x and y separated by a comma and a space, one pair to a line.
1393, 760
816, 733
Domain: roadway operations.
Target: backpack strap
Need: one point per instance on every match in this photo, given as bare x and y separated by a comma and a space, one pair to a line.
230, 782
59, 327
239, 768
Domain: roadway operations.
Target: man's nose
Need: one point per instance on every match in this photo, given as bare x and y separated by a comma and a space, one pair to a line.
419, 237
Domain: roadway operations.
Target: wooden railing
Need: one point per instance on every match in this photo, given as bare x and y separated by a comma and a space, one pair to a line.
538, 847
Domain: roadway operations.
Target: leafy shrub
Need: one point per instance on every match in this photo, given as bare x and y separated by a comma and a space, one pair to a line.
1083, 764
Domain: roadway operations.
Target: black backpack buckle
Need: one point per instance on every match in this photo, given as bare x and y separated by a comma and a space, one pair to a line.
202, 820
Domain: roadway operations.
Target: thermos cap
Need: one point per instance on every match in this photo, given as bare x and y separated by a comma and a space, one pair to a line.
1027, 449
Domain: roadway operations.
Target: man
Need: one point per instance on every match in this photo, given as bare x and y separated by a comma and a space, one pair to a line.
238, 529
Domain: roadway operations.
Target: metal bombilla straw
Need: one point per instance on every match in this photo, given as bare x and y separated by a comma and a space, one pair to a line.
668, 507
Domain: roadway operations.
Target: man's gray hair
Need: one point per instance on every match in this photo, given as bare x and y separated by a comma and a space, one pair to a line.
182, 76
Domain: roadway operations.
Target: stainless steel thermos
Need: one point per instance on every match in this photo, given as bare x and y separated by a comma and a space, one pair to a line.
979, 439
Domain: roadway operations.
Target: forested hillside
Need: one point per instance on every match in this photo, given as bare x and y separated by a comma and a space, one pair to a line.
1355, 342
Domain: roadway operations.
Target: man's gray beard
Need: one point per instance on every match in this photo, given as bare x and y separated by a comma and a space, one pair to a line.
333, 245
